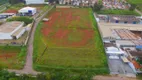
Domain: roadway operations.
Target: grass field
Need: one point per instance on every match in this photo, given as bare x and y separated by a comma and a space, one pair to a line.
134, 1
12, 57
118, 12
72, 40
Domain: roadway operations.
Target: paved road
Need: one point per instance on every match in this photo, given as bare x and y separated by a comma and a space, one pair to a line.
28, 68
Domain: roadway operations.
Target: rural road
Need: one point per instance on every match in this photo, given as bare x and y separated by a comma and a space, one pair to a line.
28, 68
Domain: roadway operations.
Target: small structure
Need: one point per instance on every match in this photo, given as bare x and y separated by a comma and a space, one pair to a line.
113, 51
11, 30
27, 11
7, 15
45, 19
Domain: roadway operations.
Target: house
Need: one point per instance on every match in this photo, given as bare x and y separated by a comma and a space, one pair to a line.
11, 30
27, 11
34, 1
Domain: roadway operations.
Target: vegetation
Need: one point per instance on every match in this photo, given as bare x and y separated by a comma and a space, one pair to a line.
135, 1
26, 20
138, 4
133, 7
97, 7
70, 61
3, 2
139, 7
12, 57
51, 75
118, 12
15, 1
5, 75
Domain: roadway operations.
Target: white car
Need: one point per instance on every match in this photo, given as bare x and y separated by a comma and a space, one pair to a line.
113, 57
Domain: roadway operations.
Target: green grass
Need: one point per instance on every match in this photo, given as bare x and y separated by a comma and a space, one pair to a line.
118, 12
17, 6
72, 58
135, 1
3, 2
12, 57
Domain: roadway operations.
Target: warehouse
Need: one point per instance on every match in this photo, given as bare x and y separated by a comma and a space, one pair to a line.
27, 11
11, 30
109, 31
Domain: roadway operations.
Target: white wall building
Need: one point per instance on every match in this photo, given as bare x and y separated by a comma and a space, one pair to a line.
11, 30
35, 1
27, 10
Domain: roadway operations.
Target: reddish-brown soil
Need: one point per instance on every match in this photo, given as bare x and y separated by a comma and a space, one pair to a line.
64, 23
11, 11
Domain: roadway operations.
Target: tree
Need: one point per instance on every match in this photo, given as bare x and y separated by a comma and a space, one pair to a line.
133, 7
97, 7
14, 1
26, 20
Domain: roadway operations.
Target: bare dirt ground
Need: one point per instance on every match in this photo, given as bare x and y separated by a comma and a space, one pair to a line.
113, 78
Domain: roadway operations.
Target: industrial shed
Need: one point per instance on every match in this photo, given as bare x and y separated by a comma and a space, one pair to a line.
27, 11
108, 30
11, 30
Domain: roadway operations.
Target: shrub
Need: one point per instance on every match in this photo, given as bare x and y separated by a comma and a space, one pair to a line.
24, 19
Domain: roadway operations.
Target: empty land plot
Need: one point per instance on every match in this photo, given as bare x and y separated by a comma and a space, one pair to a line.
72, 41
12, 57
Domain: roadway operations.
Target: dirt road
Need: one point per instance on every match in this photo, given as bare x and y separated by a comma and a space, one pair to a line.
28, 68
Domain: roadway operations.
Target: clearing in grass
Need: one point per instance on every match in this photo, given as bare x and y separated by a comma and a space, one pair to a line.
69, 40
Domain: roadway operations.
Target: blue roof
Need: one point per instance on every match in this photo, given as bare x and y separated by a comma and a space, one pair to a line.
139, 47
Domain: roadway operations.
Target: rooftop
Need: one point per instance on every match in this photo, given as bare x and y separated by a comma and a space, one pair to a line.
106, 29
7, 14
18, 31
125, 42
27, 8
8, 27
123, 17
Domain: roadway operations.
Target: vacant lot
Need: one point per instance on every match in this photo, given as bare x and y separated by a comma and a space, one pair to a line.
69, 40
12, 57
